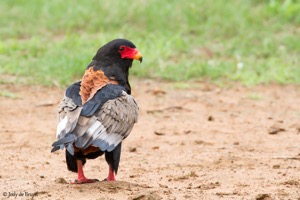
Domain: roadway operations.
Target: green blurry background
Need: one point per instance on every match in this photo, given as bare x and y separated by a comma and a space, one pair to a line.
250, 41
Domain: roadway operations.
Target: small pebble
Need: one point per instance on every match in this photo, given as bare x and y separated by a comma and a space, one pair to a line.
61, 181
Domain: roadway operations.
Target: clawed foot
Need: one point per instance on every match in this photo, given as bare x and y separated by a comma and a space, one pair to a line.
107, 179
84, 181
111, 175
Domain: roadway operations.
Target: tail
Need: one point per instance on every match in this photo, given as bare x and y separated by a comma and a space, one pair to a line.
71, 161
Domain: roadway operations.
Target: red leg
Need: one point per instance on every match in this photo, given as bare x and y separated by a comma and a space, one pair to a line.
81, 178
111, 175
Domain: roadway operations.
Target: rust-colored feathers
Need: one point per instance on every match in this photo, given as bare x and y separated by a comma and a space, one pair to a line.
91, 82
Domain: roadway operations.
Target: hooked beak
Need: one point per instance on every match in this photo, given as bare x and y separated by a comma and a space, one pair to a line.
138, 56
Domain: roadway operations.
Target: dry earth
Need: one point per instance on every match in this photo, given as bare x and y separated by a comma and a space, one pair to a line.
203, 142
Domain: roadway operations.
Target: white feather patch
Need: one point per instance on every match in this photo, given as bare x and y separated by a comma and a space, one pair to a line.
99, 132
92, 129
61, 126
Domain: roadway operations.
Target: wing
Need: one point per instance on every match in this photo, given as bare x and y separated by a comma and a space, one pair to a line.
115, 120
68, 114
104, 121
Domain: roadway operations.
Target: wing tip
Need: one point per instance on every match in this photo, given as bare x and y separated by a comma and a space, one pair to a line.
55, 148
65, 141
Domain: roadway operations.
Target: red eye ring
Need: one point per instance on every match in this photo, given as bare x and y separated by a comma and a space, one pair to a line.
121, 48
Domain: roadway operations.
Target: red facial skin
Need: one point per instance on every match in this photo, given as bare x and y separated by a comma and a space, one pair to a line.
127, 52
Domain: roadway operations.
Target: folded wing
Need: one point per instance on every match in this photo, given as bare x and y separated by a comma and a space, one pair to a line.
103, 122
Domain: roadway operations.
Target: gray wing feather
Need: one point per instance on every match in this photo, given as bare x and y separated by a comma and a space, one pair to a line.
118, 117
68, 115
106, 129
121, 114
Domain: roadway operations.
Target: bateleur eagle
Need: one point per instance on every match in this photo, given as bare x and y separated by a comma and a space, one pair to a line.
98, 112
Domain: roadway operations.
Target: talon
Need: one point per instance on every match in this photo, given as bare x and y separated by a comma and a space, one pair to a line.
108, 180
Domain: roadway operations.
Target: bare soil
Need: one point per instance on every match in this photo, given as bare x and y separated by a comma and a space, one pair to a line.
203, 142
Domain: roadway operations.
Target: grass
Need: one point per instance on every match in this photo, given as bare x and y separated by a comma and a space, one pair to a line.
251, 41
8, 94
255, 96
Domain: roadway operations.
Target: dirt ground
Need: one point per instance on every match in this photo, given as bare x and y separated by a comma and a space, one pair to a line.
203, 142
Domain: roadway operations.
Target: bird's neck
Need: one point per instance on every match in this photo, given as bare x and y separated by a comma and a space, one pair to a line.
117, 71
91, 82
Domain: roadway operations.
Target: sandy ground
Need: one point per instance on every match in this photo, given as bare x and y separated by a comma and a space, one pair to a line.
201, 143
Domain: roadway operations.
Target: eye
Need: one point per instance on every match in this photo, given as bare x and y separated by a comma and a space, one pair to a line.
121, 48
